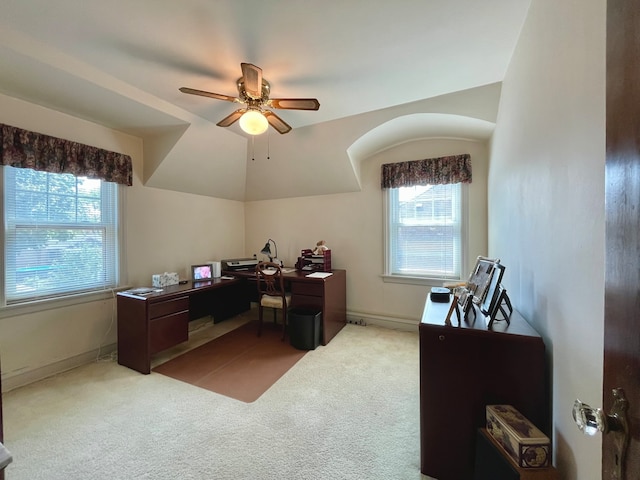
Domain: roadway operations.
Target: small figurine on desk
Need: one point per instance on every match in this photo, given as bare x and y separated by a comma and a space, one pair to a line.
321, 247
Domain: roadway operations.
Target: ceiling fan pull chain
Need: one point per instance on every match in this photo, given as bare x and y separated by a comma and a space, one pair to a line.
268, 145
253, 150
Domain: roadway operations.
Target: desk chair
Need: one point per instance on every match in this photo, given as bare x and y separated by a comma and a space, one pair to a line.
271, 293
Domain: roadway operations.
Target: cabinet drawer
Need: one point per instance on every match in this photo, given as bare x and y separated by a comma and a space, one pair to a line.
306, 301
308, 288
160, 309
167, 331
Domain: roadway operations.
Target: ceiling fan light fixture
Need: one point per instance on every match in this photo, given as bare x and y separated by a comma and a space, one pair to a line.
254, 122
253, 93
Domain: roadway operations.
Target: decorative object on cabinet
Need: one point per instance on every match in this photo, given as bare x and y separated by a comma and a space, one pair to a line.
440, 294
502, 304
521, 439
489, 304
480, 277
454, 306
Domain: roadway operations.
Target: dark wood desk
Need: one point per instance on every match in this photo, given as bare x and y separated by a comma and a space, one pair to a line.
328, 295
463, 368
148, 324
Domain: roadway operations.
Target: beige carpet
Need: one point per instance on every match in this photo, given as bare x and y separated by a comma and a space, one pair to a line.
238, 364
346, 411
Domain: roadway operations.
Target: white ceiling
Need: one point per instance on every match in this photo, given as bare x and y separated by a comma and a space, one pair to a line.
120, 63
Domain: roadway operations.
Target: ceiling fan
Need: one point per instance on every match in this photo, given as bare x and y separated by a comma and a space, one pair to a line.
253, 92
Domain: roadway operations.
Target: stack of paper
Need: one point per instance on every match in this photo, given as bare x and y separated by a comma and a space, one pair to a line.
319, 274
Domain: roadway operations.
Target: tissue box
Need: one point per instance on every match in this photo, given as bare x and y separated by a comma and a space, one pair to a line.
524, 443
164, 279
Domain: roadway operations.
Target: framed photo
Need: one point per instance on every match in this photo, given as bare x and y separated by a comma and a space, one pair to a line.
202, 273
502, 305
465, 301
492, 293
480, 277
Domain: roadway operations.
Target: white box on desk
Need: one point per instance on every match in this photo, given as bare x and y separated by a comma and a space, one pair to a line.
164, 279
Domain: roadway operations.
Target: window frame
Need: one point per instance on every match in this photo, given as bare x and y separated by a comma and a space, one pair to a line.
389, 277
69, 298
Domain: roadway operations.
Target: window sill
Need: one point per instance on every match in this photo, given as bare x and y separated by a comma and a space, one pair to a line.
61, 302
407, 280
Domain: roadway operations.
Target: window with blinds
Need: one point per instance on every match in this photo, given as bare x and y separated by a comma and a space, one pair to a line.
61, 235
424, 231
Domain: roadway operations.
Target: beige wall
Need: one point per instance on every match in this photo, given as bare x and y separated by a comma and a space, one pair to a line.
352, 226
169, 231
546, 205
165, 231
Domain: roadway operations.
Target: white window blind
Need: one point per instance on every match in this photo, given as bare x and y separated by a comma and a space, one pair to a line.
424, 231
61, 235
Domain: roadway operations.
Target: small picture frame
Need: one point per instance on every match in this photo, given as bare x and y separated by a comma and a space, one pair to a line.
492, 293
502, 304
202, 273
465, 301
478, 281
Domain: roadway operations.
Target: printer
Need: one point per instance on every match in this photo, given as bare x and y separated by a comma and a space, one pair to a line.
239, 264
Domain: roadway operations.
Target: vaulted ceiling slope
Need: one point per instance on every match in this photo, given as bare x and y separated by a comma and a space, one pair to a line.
405, 70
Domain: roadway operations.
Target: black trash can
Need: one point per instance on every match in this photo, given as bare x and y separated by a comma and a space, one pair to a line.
304, 328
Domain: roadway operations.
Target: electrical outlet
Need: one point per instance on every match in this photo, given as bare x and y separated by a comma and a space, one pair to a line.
359, 321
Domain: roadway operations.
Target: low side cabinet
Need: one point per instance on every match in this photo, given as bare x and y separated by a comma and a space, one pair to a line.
463, 368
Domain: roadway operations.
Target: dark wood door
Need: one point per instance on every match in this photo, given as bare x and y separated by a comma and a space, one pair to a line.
622, 218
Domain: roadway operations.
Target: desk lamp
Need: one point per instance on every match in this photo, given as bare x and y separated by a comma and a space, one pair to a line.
267, 251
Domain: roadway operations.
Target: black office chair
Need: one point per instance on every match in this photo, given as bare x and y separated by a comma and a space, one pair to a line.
271, 293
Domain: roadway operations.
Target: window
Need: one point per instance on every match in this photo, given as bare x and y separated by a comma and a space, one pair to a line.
60, 235
424, 231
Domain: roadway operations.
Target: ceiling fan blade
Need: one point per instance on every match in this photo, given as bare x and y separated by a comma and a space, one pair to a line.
231, 119
202, 93
252, 80
294, 103
276, 122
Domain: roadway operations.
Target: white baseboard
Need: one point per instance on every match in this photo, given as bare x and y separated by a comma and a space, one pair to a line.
393, 323
46, 371
22, 379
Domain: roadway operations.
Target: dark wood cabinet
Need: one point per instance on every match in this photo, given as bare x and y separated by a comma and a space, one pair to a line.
463, 368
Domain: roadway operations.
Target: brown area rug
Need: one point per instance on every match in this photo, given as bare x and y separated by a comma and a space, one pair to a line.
239, 364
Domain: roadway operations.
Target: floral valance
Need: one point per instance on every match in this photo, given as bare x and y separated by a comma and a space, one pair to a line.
431, 171
25, 149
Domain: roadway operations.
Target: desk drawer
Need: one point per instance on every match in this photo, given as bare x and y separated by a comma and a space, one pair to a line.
167, 331
160, 309
306, 301
308, 288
